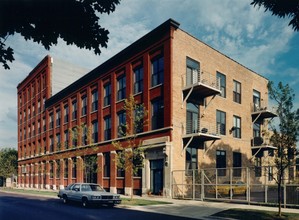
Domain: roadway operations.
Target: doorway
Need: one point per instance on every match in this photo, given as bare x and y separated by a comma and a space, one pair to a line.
156, 167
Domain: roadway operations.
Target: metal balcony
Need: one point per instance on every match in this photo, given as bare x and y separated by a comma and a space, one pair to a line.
198, 85
259, 112
259, 143
198, 132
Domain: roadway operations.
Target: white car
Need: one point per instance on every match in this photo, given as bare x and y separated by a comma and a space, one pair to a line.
88, 193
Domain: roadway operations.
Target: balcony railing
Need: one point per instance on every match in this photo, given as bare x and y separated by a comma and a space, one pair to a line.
200, 84
201, 130
260, 111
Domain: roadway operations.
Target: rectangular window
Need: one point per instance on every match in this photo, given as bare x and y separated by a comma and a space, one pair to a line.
51, 169
121, 124
237, 92
95, 130
221, 122
107, 94
66, 168
157, 71
258, 167
256, 130
192, 120
237, 127
58, 142
106, 157
84, 135
237, 164
83, 105
121, 88
66, 114
74, 168
157, 114
95, 98
74, 110
107, 128
256, 100
221, 162
138, 118
57, 169
138, 79
66, 139
192, 71
51, 121
222, 79
51, 144
58, 115
191, 160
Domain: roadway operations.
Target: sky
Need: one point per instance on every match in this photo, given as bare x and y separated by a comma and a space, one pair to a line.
251, 36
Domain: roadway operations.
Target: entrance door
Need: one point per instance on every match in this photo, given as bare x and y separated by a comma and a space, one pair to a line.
156, 176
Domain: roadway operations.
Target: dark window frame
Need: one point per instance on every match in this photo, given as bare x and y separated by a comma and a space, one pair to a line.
157, 70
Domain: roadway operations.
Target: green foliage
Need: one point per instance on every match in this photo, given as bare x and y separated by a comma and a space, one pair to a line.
284, 137
74, 21
282, 9
8, 162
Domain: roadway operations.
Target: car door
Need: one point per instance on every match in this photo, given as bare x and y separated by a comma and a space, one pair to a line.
75, 192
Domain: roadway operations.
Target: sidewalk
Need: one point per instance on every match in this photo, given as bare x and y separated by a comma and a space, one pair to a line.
199, 209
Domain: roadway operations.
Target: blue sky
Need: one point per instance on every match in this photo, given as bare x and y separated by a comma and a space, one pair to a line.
258, 40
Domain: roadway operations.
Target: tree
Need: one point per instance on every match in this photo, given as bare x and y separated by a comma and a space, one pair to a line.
130, 154
284, 137
75, 21
282, 9
8, 162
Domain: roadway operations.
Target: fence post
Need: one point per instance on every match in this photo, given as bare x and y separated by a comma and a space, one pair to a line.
202, 195
193, 184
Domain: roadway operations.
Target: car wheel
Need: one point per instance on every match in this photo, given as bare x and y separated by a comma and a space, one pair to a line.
84, 202
64, 199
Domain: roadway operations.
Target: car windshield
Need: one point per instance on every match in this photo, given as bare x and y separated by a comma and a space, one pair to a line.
97, 188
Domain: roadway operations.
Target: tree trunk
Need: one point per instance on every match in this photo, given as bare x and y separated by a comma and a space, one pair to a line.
279, 198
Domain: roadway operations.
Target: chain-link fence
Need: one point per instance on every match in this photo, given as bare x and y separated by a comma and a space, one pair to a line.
248, 185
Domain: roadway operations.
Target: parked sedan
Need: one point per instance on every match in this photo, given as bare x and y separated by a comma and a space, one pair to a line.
230, 189
88, 193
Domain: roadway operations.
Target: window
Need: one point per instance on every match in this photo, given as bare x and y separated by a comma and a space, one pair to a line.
237, 92
237, 127
38, 106
51, 169
66, 114
95, 98
138, 79
192, 71
44, 124
66, 168
106, 157
107, 94
222, 79
74, 110
95, 131
258, 167
256, 100
121, 88
83, 105
192, 120
66, 139
221, 122
51, 144
84, 135
58, 141
157, 70
107, 128
121, 124
57, 168
51, 121
191, 159
221, 162
138, 118
237, 164
74, 167
74, 137
157, 114
58, 115
256, 130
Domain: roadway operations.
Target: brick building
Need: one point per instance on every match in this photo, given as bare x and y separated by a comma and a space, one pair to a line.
205, 110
